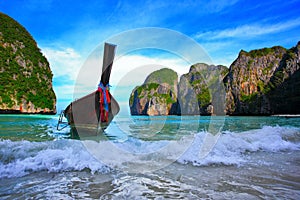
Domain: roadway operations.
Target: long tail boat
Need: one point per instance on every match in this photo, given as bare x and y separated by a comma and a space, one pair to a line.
94, 112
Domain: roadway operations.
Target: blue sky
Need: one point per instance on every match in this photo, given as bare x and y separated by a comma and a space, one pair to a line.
68, 31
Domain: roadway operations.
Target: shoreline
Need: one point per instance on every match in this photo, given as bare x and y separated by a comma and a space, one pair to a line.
287, 115
18, 112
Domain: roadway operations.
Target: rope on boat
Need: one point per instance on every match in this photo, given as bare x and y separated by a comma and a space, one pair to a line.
104, 101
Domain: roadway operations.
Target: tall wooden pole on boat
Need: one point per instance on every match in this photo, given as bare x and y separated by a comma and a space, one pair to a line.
108, 58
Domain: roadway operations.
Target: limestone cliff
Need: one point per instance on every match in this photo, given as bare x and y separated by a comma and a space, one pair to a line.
264, 82
201, 90
26, 78
260, 82
157, 95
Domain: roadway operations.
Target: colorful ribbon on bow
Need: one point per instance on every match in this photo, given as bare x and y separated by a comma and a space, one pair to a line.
104, 101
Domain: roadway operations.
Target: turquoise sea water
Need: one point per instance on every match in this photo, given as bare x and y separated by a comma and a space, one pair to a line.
189, 157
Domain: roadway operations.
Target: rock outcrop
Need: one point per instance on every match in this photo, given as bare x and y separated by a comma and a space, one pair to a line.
260, 82
200, 91
26, 78
264, 82
157, 95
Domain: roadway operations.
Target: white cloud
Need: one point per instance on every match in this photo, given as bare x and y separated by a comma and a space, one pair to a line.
63, 61
65, 64
133, 69
249, 30
64, 91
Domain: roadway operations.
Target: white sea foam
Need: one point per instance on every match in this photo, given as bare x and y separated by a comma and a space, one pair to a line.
231, 147
19, 158
23, 157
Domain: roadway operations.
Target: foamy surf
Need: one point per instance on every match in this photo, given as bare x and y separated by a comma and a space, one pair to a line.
19, 158
232, 147
252, 158
23, 157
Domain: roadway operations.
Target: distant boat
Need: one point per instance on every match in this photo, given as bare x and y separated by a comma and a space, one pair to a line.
93, 113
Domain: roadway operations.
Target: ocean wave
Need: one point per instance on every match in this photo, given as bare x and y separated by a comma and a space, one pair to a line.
19, 158
233, 148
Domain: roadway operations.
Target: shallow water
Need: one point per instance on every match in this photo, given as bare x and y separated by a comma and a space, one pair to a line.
152, 158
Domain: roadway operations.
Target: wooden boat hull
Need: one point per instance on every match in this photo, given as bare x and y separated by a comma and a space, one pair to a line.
84, 114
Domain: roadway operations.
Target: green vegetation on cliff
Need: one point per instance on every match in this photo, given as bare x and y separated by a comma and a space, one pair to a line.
25, 72
161, 93
259, 82
204, 79
147, 87
156, 95
264, 51
264, 81
164, 75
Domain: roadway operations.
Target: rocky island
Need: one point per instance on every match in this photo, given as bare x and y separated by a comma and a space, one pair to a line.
260, 82
162, 94
264, 82
157, 96
26, 78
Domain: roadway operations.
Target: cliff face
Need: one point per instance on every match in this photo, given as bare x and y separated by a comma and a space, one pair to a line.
264, 82
201, 91
197, 92
156, 96
26, 78
260, 82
